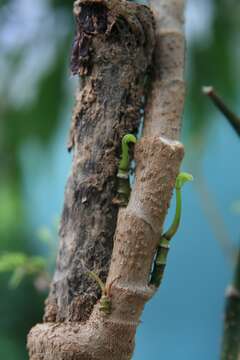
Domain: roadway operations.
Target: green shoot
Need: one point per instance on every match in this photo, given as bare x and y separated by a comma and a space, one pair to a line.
163, 248
125, 161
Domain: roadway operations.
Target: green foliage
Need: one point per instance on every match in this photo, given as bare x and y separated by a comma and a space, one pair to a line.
10, 205
34, 120
21, 265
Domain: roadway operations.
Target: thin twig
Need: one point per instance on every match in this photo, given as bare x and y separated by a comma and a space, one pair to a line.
231, 343
233, 119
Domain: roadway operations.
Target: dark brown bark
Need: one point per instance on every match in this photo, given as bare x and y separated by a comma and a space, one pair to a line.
113, 46
111, 336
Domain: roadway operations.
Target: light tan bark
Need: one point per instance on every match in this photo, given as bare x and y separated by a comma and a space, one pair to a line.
158, 156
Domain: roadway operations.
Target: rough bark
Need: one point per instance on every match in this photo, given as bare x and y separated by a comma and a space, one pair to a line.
158, 156
231, 335
116, 56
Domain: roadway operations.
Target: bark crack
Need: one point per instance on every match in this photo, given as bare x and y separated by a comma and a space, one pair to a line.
107, 106
113, 49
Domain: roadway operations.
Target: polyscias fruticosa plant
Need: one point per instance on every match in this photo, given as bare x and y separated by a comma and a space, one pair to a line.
131, 59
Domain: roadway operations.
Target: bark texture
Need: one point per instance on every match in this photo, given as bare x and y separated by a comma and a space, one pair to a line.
231, 336
114, 47
158, 156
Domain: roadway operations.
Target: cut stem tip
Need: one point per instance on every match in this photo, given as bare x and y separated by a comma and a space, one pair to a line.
207, 90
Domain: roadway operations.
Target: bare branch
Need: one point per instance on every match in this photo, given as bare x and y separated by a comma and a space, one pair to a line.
233, 119
158, 156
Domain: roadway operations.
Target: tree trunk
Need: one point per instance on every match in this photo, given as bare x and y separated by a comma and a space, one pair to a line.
113, 53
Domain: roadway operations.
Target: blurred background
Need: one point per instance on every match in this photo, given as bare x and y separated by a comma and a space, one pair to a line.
185, 319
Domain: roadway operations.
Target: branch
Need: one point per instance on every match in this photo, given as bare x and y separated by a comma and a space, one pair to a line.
158, 156
165, 105
113, 51
231, 343
231, 337
233, 119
